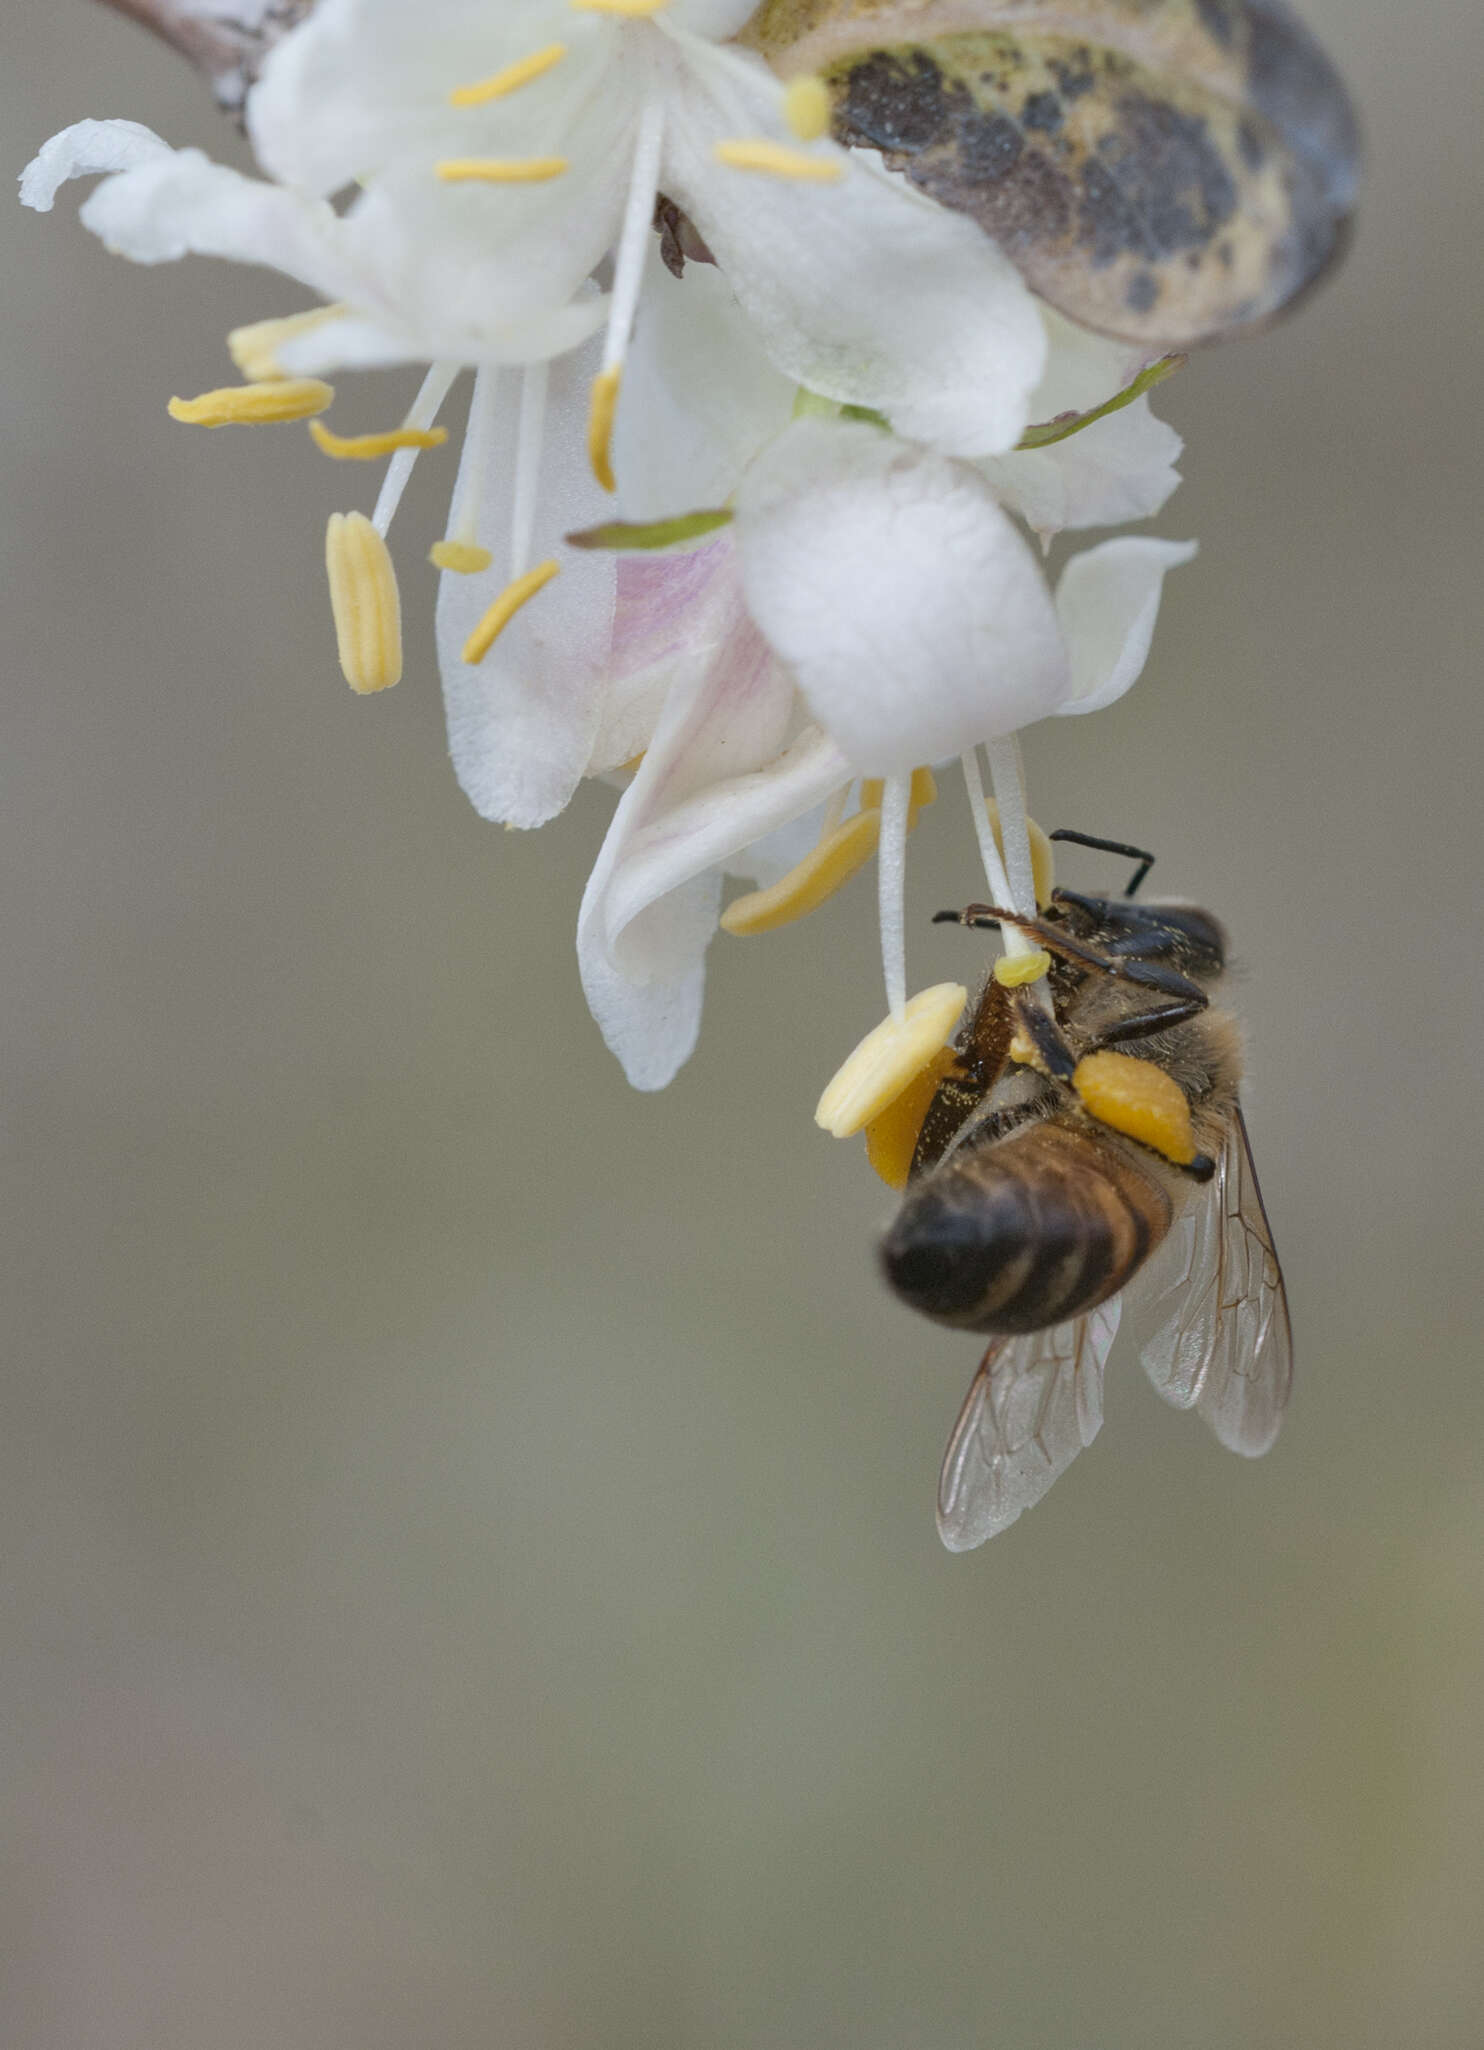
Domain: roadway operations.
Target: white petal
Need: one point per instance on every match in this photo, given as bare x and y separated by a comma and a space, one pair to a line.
364, 83
83, 150
180, 203
521, 723
862, 290
671, 617
1107, 602
913, 616
711, 782
716, 19
699, 398
650, 1027
1121, 468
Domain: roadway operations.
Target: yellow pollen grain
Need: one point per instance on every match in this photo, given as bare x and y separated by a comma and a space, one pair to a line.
500, 170
891, 1138
365, 448
777, 160
504, 610
364, 600
1014, 971
462, 557
602, 406
1022, 1050
285, 398
1139, 1099
811, 883
510, 79
254, 348
806, 107
889, 1058
632, 10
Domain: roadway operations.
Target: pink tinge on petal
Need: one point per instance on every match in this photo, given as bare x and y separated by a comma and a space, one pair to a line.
667, 604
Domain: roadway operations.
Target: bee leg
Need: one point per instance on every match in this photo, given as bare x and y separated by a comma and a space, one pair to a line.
1054, 1056
1142, 1023
1139, 854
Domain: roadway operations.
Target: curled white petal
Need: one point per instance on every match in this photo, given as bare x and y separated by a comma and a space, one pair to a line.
84, 150
913, 616
1107, 601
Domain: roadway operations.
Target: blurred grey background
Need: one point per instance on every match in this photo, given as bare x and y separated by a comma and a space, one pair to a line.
468, 1573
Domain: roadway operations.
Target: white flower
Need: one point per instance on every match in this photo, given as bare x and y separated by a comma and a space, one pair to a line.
872, 608
450, 174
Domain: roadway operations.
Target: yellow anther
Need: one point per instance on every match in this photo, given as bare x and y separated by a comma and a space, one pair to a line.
499, 170
633, 10
779, 161
504, 610
1014, 971
254, 349
363, 598
364, 448
511, 79
1139, 1099
286, 398
891, 1138
924, 791
806, 107
889, 1058
462, 557
1043, 859
602, 406
817, 877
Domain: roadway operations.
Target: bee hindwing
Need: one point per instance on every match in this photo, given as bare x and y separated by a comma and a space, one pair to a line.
1036, 1400
1222, 1342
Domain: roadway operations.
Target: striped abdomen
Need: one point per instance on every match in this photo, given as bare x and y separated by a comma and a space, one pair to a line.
1026, 1231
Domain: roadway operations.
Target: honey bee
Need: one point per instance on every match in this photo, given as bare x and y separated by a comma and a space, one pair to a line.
1053, 1167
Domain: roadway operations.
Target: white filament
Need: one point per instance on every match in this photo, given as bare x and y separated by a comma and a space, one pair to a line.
633, 240
422, 413
891, 883
528, 439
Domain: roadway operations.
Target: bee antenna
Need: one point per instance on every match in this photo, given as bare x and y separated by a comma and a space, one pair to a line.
968, 916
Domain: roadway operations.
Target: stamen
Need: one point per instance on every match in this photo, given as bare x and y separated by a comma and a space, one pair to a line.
504, 610
888, 1059
811, 883
777, 160
631, 10
1007, 773
460, 557
1137, 1098
528, 435
844, 846
806, 107
602, 406
891, 1138
891, 885
510, 79
286, 398
364, 600
254, 349
420, 414
923, 793
365, 448
628, 274
461, 552
499, 170
1014, 971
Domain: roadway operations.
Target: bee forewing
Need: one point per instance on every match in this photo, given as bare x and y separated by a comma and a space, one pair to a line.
1222, 1341
1036, 1400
